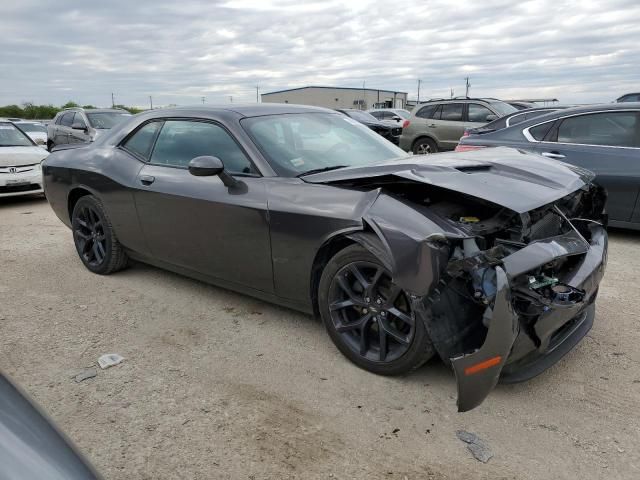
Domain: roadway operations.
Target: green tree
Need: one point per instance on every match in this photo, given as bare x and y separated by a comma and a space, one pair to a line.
70, 104
11, 111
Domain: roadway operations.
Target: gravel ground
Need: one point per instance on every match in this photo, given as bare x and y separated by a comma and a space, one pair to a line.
219, 385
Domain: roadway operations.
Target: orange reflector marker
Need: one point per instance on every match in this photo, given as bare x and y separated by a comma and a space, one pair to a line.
478, 367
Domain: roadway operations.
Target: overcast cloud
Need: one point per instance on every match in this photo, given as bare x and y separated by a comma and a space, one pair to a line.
179, 51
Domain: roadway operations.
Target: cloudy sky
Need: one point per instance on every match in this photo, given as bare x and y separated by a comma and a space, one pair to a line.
180, 51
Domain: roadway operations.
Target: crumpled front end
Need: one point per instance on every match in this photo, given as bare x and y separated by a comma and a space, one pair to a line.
514, 300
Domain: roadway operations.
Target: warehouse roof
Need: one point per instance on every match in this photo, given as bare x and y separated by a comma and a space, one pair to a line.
334, 88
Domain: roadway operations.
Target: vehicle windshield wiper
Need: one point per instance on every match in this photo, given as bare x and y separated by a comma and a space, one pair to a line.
320, 170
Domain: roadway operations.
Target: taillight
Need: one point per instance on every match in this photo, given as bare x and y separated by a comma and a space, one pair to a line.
468, 148
466, 133
406, 123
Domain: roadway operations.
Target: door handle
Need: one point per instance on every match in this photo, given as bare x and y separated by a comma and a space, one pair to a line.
147, 179
552, 155
433, 125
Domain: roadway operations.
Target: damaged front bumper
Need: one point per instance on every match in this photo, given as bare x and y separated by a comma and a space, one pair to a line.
516, 349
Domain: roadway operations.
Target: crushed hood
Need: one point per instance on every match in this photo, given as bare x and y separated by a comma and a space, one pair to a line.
512, 178
18, 156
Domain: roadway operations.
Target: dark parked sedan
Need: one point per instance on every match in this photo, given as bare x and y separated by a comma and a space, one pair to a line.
603, 138
391, 133
402, 257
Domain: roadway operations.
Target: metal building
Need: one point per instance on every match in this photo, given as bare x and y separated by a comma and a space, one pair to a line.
338, 97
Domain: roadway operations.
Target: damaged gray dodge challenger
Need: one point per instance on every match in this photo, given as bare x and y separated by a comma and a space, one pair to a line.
489, 259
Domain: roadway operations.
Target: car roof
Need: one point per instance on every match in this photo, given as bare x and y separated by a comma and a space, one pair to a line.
248, 110
564, 112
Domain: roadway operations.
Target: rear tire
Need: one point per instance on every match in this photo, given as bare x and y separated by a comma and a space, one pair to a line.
94, 238
424, 146
395, 338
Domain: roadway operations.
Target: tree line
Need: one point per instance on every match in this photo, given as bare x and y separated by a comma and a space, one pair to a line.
45, 112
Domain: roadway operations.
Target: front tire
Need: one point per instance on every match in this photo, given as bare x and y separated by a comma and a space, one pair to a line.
94, 238
368, 317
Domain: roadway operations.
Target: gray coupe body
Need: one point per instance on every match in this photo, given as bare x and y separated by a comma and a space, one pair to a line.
499, 256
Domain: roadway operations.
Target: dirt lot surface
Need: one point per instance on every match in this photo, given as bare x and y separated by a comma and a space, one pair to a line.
219, 385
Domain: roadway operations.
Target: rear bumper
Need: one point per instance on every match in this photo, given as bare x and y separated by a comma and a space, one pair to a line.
516, 351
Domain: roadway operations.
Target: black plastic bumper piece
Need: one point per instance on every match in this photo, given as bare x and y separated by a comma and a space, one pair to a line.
536, 363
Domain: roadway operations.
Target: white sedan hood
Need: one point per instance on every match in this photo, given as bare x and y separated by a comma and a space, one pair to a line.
18, 156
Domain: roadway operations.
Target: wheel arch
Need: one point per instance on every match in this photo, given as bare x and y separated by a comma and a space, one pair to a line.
75, 194
365, 237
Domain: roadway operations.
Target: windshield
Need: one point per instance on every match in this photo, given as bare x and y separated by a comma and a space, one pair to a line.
106, 120
361, 116
503, 108
10, 136
32, 127
298, 143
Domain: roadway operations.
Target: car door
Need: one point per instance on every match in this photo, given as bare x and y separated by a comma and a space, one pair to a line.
63, 129
607, 143
79, 129
198, 223
450, 125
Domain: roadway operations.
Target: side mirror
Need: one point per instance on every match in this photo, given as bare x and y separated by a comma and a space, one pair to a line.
396, 118
78, 126
207, 166
491, 118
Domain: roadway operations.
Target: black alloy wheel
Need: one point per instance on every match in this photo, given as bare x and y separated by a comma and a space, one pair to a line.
369, 317
89, 234
94, 237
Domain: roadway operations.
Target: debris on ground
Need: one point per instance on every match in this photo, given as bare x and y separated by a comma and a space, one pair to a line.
478, 448
109, 360
85, 374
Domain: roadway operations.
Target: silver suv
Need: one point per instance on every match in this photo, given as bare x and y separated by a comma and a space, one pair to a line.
79, 125
437, 125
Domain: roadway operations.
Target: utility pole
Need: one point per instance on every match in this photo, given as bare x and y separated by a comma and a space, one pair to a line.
467, 87
364, 96
230, 98
150, 102
452, 92
113, 102
418, 102
257, 94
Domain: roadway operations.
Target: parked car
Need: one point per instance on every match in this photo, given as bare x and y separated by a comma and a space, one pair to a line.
20, 162
521, 105
79, 125
512, 119
602, 138
629, 97
394, 117
35, 130
31, 447
402, 257
437, 125
389, 132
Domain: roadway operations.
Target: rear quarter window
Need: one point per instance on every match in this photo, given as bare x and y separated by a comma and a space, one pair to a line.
141, 142
540, 131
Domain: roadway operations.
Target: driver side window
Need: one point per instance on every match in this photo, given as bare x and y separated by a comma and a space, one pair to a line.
180, 141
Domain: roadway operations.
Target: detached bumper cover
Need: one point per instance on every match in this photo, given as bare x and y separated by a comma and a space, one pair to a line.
507, 348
